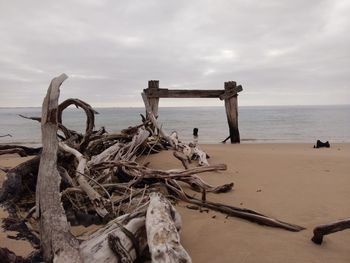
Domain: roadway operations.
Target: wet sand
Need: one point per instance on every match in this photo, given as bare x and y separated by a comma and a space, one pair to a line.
291, 182
20, 247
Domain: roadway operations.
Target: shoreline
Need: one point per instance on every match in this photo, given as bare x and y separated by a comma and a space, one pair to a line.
243, 142
292, 182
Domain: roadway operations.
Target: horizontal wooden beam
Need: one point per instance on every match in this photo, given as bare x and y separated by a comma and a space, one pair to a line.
166, 93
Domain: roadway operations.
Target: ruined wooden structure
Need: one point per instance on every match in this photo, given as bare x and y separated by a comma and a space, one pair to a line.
229, 94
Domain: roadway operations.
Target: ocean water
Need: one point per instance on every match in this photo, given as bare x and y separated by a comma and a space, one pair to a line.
256, 124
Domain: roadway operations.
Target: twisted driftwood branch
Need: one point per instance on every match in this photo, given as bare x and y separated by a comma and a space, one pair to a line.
90, 119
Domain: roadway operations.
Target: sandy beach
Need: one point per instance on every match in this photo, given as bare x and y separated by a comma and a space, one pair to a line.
290, 182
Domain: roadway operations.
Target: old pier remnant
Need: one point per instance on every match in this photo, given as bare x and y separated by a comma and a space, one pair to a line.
229, 94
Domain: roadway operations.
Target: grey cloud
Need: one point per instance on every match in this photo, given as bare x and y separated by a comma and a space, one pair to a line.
283, 52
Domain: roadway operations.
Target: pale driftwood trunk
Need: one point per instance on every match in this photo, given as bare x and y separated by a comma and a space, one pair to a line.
57, 243
106, 155
327, 229
112, 243
162, 223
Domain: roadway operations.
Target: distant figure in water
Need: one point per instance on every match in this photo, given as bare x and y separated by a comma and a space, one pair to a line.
195, 136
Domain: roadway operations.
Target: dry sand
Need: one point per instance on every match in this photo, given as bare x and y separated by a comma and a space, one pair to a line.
291, 182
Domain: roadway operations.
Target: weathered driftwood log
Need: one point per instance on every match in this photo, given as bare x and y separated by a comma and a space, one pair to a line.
25, 150
100, 143
106, 155
121, 240
13, 186
18, 151
136, 170
327, 229
183, 159
57, 243
162, 234
247, 214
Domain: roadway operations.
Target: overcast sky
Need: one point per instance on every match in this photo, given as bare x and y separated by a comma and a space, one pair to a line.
288, 52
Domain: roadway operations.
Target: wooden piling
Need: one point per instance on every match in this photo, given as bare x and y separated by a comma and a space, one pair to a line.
229, 95
153, 87
232, 110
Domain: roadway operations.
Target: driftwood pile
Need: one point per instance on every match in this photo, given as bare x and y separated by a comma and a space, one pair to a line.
97, 178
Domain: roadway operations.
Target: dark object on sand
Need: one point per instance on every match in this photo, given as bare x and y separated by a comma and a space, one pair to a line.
320, 144
195, 132
8, 256
323, 230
